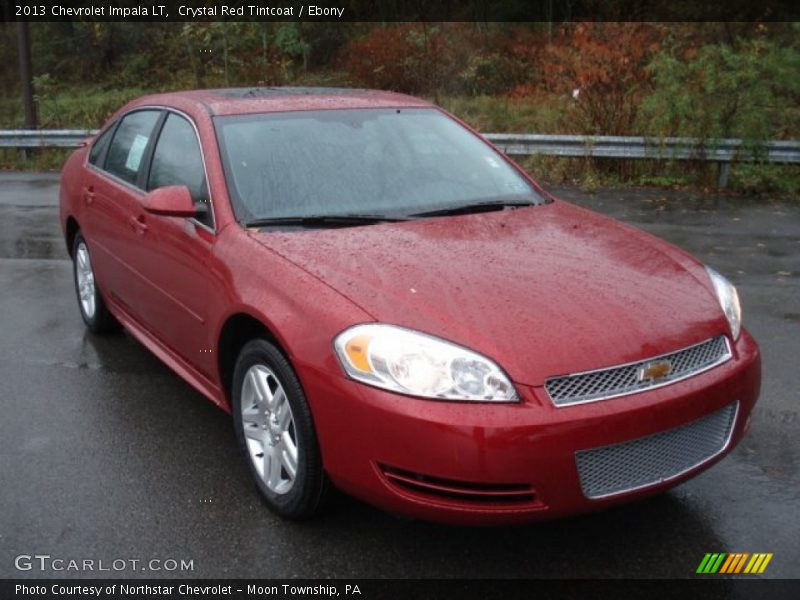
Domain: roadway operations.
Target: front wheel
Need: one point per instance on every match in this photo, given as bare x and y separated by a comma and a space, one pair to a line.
276, 432
90, 302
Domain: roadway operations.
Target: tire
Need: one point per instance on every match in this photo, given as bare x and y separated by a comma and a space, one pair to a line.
90, 302
276, 432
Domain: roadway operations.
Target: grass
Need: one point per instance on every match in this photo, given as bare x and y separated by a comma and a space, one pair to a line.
40, 159
507, 115
82, 108
783, 180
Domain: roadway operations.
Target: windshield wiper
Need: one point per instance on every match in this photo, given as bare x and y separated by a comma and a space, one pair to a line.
474, 207
322, 220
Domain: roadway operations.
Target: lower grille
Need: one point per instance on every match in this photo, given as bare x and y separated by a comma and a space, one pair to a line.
461, 491
650, 460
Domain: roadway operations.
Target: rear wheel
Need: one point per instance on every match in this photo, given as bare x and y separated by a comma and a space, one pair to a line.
276, 432
90, 302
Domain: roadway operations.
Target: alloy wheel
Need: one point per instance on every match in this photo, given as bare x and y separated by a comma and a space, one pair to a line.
269, 429
85, 280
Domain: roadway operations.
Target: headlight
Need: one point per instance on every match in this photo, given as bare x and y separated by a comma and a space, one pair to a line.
728, 300
413, 363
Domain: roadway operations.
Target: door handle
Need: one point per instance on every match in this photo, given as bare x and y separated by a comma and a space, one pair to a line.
138, 224
88, 194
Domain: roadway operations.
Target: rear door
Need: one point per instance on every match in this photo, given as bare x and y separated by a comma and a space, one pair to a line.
112, 197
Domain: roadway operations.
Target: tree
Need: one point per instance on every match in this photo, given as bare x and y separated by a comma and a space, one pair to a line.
603, 66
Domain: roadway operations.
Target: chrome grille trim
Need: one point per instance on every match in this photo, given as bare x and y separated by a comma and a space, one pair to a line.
657, 458
621, 380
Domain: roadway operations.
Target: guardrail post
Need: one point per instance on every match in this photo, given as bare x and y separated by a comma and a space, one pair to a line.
724, 175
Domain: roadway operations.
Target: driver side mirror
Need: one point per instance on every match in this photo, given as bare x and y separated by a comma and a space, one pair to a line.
170, 201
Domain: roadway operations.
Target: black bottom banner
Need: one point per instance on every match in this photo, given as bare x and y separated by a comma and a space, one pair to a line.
406, 589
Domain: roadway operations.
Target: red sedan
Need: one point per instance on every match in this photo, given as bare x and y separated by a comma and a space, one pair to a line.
387, 303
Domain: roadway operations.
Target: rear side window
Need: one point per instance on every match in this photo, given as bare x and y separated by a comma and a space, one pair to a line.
99, 148
129, 144
177, 160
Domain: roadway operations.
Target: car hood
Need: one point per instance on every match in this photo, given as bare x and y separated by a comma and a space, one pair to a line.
543, 290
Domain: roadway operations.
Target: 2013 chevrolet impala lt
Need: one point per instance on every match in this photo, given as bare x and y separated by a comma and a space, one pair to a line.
388, 304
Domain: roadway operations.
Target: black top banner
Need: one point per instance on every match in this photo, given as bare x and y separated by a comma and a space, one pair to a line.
400, 10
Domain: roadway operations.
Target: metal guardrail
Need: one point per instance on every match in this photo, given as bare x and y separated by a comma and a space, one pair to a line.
723, 151
44, 138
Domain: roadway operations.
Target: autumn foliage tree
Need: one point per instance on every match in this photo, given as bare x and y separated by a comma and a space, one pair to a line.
434, 58
407, 57
603, 67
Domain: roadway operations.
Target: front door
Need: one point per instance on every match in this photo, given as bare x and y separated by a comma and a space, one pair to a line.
177, 254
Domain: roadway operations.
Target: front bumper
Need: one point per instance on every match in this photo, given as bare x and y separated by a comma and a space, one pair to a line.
483, 463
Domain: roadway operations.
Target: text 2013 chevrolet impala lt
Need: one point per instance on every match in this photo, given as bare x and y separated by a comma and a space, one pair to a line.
387, 303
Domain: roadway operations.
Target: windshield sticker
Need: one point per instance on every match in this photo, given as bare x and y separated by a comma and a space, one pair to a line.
135, 153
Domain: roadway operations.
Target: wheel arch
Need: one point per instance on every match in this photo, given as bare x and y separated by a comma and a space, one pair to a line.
238, 329
71, 229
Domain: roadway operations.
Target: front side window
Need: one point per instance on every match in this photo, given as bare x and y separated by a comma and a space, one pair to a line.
177, 160
371, 161
129, 144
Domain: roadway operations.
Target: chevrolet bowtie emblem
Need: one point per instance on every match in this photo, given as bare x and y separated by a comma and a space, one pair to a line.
654, 370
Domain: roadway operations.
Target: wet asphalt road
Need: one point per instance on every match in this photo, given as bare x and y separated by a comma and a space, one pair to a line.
106, 454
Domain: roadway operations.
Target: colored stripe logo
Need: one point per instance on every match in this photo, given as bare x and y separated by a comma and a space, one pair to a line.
734, 563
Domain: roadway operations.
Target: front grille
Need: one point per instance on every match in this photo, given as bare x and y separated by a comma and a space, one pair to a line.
649, 460
624, 379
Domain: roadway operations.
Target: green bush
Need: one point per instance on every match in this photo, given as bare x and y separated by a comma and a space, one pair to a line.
759, 178
723, 91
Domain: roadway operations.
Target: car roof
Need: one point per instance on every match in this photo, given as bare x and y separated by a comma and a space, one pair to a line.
237, 101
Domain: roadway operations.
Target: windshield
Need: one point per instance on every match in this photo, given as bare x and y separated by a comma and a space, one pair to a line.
368, 161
